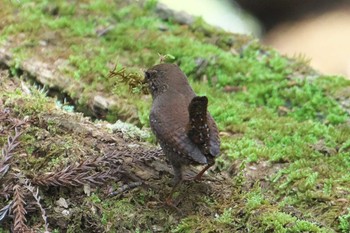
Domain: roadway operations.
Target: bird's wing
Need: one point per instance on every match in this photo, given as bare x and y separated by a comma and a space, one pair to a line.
170, 129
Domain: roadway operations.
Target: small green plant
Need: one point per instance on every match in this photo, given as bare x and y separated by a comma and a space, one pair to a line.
225, 217
344, 222
254, 200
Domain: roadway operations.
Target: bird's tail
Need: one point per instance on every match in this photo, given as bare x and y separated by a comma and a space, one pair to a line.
198, 129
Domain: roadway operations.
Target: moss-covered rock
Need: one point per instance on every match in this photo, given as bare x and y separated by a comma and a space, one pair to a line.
284, 127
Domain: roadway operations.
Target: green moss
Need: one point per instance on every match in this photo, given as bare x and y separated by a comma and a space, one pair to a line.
254, 200
344, 220
283, 113
30, 103
281, 222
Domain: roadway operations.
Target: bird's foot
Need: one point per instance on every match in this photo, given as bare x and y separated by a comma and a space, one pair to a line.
198, 177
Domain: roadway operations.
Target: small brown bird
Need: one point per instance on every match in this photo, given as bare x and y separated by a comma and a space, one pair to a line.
185, 130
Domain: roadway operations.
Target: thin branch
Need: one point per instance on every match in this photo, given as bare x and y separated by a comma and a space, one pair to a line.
7, 189
7, 152
5, 211
87, 172
19, 210
35, 193
148, 155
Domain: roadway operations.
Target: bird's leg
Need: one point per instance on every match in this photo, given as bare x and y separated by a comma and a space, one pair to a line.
176, 182
200, 174
177, 174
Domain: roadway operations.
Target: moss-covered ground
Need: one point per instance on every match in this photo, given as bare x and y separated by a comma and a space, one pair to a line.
285, 129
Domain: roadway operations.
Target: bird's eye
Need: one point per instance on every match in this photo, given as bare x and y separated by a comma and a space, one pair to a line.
151, 74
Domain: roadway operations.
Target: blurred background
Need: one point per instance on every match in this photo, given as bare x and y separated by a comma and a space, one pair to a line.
318, 30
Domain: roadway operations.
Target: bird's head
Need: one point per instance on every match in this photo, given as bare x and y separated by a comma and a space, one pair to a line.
164, 77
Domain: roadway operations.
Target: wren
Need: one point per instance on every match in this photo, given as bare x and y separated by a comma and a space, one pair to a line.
184, 128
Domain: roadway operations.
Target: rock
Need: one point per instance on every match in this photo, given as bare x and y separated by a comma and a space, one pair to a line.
181, 17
